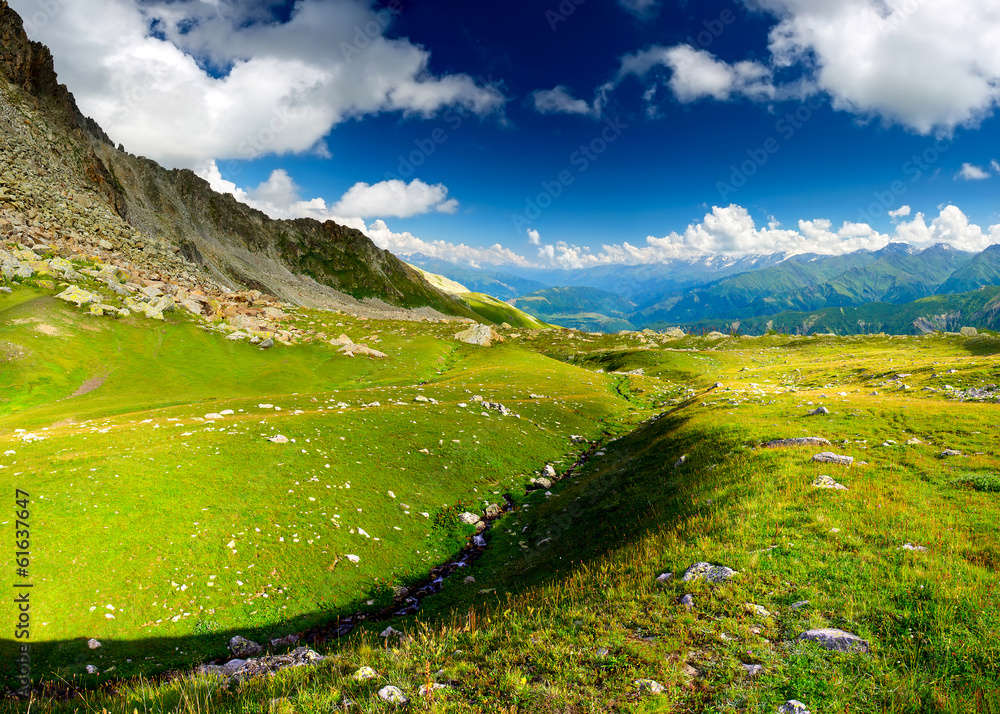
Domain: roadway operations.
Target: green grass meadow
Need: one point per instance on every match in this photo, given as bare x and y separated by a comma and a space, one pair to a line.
194, 529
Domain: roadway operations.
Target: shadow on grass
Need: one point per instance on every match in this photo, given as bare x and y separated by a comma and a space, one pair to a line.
607, 503
631, 487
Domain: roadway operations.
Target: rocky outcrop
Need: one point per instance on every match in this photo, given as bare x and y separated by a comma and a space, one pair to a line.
945, 322
62, 173
828, 457
709, 572
480, 335
797, 441
835, 640
237, 670
828, 482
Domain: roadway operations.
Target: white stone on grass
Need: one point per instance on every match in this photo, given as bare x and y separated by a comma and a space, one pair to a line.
364, 673
835, 640
708, 571
828, 482
648, 686
828, 457
392, 695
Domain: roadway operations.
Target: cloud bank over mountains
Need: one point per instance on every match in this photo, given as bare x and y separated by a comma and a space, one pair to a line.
726, 230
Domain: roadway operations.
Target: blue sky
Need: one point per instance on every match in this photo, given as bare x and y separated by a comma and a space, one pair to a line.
563, 133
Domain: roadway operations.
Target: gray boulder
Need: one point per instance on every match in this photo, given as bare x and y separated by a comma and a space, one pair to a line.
827, 482
793, 706
835, 640
828, 457
299, 657
232, 666
648, 686
78, 296
797, 441
708, 571
480, 335
364, 673
244, 648
392, 695
427, 690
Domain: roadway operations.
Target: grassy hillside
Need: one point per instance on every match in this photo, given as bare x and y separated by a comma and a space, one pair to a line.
568, 611
497, 283
193, 527
484, 307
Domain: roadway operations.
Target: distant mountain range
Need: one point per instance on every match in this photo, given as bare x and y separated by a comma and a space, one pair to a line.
588, 309
715, 290
634, 282
947, 313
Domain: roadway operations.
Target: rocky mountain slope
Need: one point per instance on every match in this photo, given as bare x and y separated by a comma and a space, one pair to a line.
65, 186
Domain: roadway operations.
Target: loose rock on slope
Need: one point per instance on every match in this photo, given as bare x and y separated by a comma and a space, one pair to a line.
835, 640
481, 335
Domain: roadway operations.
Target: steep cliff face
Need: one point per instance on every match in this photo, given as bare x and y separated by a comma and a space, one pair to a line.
176, 215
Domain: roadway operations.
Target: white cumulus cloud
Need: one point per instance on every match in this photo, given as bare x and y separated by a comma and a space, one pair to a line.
395, 198
188, 81
560, 101
926, 64
971, 172
697, 74
951, 226
280, 197
406, 243
725, 230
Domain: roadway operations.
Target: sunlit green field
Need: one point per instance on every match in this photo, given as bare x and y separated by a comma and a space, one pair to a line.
566, 613
151, 521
